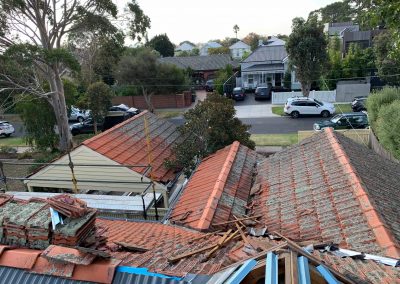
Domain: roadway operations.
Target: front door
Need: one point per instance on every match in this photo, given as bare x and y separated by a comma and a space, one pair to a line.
278, 79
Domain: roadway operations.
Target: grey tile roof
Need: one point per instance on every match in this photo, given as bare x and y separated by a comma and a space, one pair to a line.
201, 63
267, 53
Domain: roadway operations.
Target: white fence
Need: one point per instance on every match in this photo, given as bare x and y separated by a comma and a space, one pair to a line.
280, 98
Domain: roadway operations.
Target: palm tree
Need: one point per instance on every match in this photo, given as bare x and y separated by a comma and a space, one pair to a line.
236, 29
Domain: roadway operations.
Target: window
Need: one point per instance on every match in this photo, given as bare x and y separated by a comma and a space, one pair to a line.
313, 104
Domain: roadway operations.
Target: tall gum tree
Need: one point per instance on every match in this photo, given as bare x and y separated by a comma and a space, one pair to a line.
35, 31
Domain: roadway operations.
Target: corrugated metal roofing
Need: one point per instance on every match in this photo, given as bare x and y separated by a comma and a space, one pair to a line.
267, 53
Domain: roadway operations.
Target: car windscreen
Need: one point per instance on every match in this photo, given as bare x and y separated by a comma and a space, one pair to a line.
237, 91
336, 118
318, 102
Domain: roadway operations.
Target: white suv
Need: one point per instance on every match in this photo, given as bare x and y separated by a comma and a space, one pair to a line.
6, 128
302, 105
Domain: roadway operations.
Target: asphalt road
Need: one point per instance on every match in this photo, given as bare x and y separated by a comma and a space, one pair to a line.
272, 125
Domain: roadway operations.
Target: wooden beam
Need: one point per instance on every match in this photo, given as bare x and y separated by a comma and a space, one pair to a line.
291, 276
315, 261
240, 219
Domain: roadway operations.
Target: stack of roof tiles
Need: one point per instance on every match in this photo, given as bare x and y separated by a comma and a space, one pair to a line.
329, 188
28, 223
218, 190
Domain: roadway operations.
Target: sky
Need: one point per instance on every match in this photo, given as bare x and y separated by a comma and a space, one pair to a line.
204, 20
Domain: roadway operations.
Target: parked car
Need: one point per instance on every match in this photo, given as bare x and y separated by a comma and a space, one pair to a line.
78, 115
210, 85
85, 127
356, 120
359, 104
238, 94
123, 110
263, 93
306, 106
6, 128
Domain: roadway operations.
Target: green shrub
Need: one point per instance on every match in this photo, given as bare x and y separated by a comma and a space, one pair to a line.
7, 150
388, 128
379, 99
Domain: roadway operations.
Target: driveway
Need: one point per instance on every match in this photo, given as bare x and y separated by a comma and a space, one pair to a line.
250, 108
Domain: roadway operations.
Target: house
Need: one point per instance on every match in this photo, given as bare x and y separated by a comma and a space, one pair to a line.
363, 39
211, 44
330, 189
337, 29
238, 49
184, 47
266, 66
121, 251
203, 68
117, 160
217, 190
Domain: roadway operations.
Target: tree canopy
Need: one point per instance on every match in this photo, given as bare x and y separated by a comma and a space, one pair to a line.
340, 11
32, 36
162, 44
306, 48
210, 126
140, 68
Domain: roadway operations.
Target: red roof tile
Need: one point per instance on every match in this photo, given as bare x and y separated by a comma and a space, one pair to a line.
314, 191
218, 189
125, 143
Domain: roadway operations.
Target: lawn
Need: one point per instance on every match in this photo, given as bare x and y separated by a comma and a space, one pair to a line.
12, 141
169, 114
275, 139
340, 108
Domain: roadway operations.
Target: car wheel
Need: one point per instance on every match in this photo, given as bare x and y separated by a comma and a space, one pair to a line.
7, 135
294, 114
325, 113
80, 119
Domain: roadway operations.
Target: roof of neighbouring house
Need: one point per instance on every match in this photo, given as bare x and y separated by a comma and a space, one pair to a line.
126, 143
218, 190
201, 63
185, 46
211, 44
338, 28
332, 189
267, 53
239, 44
274, 41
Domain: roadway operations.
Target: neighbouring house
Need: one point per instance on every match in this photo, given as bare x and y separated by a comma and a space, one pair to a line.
205, 47
218, 190
86, 249
238, 49
330, 189
338, 29
184, 47
202, 68
266, 66
363, 39
109, 152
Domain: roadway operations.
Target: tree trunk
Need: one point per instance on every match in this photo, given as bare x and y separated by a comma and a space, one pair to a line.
305, 88
60, 111
95, 126
148, 99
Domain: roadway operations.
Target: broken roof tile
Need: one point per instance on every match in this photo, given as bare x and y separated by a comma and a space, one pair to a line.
218, 189
330, 188
67, 255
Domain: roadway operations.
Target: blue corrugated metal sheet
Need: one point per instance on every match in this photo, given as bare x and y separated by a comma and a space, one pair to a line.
128, 278
10, 275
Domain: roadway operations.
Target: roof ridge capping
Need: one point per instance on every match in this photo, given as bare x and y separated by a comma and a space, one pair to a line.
383, 236
114, 127
204, 222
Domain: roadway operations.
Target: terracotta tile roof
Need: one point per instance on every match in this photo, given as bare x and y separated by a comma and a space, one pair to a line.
331, 189
218, 189
125, 143
163, 242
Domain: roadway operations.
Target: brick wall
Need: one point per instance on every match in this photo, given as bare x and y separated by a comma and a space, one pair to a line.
159, 101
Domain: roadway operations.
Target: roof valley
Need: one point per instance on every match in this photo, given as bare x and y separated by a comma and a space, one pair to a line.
383, 237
